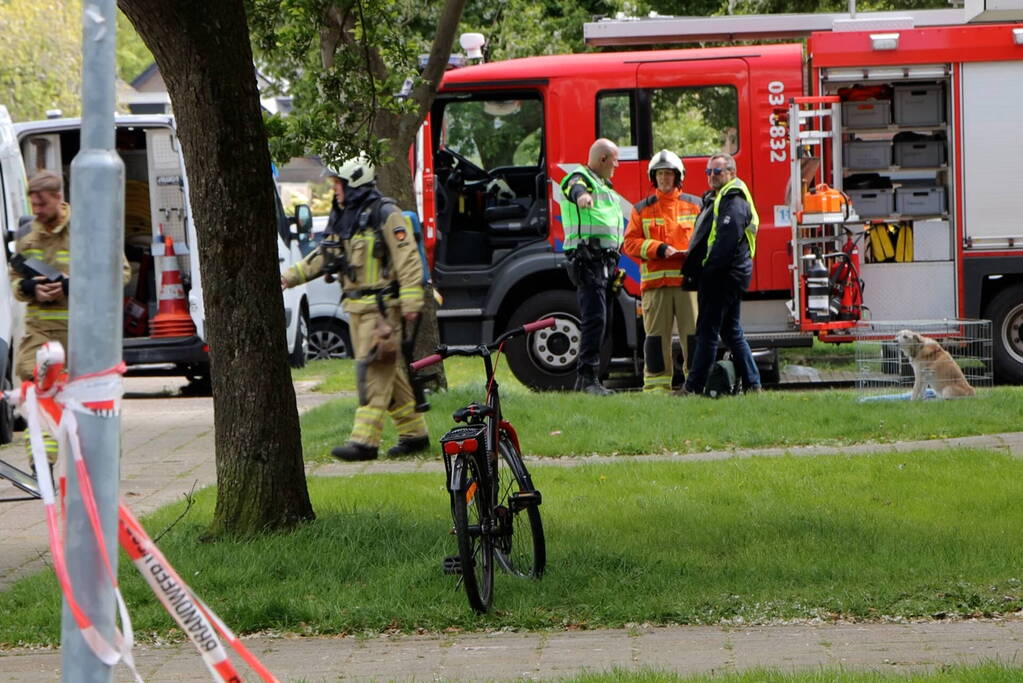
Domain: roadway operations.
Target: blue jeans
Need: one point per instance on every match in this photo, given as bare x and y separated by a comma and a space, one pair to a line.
718, 316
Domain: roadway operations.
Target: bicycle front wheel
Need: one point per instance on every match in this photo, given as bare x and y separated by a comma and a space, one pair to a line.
519, 545
470, 510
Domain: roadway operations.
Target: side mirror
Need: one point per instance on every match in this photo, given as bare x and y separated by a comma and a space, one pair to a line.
303, 219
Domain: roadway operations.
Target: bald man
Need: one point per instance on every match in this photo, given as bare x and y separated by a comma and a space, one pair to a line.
593, 223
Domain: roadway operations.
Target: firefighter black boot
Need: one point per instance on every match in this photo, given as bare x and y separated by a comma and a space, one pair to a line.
588, 382
409, 445
353, 451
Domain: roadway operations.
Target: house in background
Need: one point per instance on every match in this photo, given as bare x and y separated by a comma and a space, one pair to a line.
147, 94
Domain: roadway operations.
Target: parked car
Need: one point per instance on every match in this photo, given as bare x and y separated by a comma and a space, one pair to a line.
328, 323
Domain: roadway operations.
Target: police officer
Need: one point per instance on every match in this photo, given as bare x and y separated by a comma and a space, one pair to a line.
373, 251
593, 221
720, 263
658, 235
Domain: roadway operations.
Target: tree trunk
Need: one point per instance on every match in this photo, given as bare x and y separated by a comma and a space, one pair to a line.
203, 51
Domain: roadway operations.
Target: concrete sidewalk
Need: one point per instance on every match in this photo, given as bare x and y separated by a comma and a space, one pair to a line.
168, 450
690, 650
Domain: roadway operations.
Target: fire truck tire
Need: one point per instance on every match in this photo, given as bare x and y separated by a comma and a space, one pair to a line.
545, 360
1005, 311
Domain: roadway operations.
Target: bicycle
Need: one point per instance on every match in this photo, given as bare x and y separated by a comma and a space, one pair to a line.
491, 518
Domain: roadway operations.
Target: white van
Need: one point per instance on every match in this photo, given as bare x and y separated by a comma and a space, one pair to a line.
156, 204
13, 205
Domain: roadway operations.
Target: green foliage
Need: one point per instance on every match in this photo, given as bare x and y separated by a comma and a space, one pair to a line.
747, 540
133, 57
338, 89
40, 57
524, 28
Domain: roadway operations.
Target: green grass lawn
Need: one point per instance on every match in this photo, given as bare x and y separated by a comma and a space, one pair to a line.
923, 534
565, 424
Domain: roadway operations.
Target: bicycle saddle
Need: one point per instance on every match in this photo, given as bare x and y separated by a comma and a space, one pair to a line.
474, 412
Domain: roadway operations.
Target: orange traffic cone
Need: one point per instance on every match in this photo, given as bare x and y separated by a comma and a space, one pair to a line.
172, 320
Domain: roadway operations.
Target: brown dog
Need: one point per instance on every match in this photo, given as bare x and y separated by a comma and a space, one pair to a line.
933, 367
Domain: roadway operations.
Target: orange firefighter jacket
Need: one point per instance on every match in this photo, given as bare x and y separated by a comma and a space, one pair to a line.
659, 221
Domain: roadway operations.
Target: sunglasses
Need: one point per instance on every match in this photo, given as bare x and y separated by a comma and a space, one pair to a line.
716, 171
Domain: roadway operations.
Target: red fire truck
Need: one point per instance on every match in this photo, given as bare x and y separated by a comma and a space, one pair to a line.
926, 140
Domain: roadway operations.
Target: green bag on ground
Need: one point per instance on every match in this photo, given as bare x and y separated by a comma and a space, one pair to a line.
721, 381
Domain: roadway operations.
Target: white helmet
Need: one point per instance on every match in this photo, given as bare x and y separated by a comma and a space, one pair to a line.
666, 159
355, 172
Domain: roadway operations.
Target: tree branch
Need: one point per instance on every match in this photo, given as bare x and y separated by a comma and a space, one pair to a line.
447, 25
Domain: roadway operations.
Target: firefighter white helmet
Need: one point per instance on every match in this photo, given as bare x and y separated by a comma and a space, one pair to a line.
355, 172
666, 159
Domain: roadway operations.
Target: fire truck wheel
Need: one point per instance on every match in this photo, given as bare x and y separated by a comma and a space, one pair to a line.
545, 360
1005, 311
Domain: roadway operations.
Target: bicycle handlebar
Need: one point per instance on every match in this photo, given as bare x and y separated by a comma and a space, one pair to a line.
445, 351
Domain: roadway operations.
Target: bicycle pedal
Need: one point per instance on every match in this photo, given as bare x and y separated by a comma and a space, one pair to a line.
524, 499
453, 565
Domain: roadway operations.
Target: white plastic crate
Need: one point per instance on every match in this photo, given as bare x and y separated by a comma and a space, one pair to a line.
881, 368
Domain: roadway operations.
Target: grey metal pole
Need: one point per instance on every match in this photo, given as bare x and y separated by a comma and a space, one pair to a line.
94, 337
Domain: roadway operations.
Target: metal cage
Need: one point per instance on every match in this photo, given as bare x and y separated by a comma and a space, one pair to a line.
882, 367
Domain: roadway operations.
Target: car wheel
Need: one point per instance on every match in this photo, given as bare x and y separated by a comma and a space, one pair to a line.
1006, 315
300, 351
328, 338
545, 360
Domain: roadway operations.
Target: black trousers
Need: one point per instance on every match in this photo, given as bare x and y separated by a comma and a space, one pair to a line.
591, 277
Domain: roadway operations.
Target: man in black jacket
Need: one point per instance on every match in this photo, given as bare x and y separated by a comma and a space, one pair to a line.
720, 264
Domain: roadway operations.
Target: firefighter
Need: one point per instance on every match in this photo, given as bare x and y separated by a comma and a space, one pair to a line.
592, 220
658, 236
47, 238
720, 264
373, 251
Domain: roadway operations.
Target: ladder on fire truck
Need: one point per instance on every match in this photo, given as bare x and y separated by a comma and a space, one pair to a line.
825, 260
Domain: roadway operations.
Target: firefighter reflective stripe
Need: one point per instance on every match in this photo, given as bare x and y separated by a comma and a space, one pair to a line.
300, 270
751, 229
657, 383
411, 293
407, 421
38, 313
657, 275
644, 250
369, 423
603, 221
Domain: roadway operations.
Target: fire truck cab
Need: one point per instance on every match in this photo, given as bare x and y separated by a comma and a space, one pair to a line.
927, 140
501, 137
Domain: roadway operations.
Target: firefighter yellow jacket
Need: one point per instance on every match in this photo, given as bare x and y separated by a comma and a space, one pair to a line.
53, 247
393, 266
661, 220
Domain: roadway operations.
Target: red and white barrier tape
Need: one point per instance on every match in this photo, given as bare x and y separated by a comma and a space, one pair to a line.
99, 394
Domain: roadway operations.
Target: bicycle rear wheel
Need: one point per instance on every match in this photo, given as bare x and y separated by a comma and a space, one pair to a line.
469, 508
520, 546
